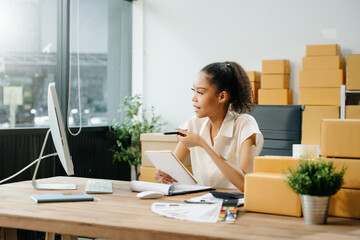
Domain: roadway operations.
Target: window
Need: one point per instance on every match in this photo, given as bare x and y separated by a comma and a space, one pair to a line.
99, 40
27, 61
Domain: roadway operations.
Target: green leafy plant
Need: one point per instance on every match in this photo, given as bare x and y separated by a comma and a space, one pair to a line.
127, 148
315, 178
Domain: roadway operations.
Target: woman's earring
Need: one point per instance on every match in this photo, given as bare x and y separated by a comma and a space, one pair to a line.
230, 106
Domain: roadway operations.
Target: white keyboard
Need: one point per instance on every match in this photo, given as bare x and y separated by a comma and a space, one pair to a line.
99, 186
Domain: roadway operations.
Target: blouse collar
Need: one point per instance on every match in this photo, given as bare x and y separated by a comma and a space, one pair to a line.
227, 125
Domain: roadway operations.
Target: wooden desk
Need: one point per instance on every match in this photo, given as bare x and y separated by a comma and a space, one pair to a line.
122, 216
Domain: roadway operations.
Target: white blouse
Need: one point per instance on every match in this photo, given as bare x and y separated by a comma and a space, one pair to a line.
235, 129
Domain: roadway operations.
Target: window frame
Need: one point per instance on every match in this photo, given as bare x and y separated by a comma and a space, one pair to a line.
63, 53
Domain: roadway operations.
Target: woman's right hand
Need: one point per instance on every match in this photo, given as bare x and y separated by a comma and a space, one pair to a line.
162, 177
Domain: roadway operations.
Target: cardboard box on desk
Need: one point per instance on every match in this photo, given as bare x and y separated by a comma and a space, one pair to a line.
280, 164
269, 193
351, 176
325, 62
147, 173
345, 203
158, 141
352, 111
322, 50
311, 122
353, 72
275, 81
319, 96
274, 164
280, 66
275, 96
340, 138
321, 78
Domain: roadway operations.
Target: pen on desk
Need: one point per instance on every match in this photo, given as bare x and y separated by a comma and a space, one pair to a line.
200, 202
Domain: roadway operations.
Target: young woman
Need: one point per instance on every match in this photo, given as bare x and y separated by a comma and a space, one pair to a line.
222, 139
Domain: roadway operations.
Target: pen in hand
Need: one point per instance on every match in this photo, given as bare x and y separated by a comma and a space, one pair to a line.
177, 133
171, 133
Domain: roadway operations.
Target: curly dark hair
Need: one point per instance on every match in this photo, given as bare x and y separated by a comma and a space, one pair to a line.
231, 77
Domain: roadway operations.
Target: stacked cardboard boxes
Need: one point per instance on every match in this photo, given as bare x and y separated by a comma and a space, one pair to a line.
340, 141
254, 78
266, 190
275, 83
352, 83
352, 112
353, 72
319, 88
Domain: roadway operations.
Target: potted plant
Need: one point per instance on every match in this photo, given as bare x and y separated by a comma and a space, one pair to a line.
127, 147
315, 181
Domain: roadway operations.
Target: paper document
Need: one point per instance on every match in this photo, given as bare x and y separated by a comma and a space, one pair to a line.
167, 162
191, 212
166, 189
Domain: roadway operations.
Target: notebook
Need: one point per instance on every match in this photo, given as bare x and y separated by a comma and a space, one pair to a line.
61, 197
166, 189
167, 162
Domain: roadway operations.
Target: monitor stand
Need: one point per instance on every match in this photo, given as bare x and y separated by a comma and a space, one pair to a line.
48, 186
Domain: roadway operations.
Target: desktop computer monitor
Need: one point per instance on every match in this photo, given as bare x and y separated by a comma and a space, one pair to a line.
58, 134
58, 131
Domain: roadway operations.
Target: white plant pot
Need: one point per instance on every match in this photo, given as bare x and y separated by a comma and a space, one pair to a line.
315, 209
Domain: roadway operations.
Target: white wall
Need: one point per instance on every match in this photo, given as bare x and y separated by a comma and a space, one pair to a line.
179, 37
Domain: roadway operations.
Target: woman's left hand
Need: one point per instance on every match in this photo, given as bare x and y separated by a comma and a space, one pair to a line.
189, 139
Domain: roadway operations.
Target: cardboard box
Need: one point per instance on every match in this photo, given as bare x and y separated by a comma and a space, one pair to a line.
158, 141
319, 96
325, 62
255, 87
322, 50
275, 81
274, 164
340, 138
321, 78
351, 176
254, 76
147, 173
269, 193
352, 112
281, 164
275, 96
281, 66
345, 203
353, 72
311, 122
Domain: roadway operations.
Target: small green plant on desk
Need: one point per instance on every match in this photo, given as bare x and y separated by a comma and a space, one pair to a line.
135, 121
315, 181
